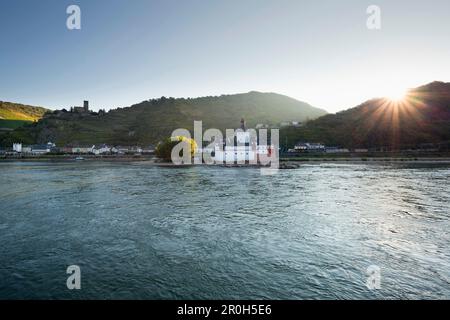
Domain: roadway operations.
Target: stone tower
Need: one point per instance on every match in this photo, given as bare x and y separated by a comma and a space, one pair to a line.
86, 106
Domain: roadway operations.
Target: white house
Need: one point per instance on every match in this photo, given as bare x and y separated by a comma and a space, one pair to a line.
309, 147
38, 149
84, 150
103, 149
26, 149
17, 147
126, 149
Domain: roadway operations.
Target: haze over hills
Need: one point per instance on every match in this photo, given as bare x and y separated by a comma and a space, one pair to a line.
423, 117
150, 121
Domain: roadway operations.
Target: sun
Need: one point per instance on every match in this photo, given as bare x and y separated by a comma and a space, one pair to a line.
396, 95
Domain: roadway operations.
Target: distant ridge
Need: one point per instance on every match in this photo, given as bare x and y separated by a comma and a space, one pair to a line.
423, 118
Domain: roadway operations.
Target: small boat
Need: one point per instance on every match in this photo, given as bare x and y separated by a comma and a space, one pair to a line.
79, 158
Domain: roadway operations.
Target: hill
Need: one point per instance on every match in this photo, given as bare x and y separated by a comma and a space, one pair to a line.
16, 111
423, 117
150, 121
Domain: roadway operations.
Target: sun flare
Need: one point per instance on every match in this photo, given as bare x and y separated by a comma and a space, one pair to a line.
396, 95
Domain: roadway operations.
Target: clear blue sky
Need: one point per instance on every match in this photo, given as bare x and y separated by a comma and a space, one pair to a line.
319, 51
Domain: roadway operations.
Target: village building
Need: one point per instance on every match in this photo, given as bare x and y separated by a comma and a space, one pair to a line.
82, 149
336, 150
309, 147
148, 149
17, 147
126, 149
39, 149
102, 149
66, 149
26, 149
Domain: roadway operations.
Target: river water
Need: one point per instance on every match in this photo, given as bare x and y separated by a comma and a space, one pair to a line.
141, 231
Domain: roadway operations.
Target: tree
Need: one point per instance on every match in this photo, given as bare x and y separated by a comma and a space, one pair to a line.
164, 148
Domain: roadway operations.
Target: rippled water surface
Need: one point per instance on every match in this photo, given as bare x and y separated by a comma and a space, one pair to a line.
140, 231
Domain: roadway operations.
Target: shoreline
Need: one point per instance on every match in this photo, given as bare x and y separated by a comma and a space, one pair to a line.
285, 163
72, 158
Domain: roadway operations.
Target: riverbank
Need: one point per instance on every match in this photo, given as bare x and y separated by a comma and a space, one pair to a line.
285, 162
64, 158
296, 163
376, 157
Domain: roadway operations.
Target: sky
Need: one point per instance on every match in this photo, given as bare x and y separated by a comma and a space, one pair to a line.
317, 51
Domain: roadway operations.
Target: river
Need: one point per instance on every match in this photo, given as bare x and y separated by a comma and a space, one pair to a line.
139, 231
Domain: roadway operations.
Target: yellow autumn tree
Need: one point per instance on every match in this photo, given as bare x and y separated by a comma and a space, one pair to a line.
164, 148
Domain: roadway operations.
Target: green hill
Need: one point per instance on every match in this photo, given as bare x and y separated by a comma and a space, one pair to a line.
14, 116
424, 117
152, 120
16, 111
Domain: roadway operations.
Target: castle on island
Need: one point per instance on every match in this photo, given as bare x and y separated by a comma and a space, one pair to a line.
242, 148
